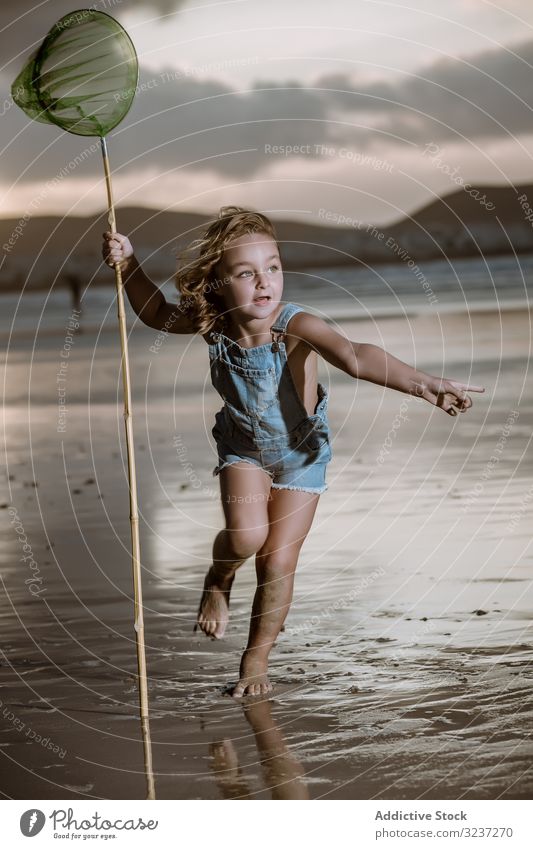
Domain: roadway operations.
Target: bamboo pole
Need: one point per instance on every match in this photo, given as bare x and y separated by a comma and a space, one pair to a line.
132, 480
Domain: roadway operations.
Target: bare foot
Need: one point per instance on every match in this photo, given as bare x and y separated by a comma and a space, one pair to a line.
213, 613
253, 678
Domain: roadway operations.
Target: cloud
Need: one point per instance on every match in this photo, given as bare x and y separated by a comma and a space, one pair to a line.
24, 23
483, 96
190, 119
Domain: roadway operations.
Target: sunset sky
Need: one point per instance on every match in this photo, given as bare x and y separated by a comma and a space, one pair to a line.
380, 102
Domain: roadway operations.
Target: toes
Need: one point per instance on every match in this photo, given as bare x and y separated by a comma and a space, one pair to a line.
254, 688
205, 625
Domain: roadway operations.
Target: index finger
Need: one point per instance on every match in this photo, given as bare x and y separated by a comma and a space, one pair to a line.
470, 387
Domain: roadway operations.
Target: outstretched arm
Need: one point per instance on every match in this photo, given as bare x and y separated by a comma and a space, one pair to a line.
144, 296
370, 362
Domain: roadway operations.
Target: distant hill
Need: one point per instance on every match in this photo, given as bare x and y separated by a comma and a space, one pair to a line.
49, 250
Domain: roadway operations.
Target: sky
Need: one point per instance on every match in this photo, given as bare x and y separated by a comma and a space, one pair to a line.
317, 111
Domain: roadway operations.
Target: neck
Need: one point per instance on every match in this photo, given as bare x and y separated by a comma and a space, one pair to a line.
244, 329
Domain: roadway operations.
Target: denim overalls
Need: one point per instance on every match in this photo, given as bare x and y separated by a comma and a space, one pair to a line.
263, 420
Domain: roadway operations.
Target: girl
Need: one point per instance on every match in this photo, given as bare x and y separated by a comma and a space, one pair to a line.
272, 433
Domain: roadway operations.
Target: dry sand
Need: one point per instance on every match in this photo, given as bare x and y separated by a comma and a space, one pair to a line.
406, 664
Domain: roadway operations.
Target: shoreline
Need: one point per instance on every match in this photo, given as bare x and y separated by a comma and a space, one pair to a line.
335, 315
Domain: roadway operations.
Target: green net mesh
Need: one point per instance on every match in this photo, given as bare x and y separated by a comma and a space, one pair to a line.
83, 77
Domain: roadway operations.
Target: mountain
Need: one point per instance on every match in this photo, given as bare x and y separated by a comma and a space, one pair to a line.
48, 251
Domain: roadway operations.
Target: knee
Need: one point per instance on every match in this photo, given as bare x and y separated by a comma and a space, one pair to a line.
281, 560
245, 542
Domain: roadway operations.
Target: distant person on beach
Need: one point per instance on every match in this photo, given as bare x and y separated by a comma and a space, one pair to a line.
74, 283
272, 434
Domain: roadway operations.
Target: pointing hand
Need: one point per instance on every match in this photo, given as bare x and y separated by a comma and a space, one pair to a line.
449, 395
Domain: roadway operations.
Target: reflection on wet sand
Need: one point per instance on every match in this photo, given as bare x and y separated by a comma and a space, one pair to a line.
148, 757
282, 773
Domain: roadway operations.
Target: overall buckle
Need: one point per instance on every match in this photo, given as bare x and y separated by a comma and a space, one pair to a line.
277, 337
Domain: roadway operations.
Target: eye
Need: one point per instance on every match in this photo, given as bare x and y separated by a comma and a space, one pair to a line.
275, 267
243, 273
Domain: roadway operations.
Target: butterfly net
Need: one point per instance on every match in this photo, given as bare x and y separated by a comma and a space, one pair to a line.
83, 77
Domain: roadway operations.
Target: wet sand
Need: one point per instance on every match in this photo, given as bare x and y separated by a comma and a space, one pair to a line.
405, 668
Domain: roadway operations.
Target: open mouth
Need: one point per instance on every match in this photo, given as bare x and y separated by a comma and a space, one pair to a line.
263, 299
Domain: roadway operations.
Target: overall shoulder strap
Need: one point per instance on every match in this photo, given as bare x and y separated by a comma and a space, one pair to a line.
285, 316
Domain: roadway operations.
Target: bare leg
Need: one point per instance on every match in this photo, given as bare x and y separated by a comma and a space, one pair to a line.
291, 515
244, 490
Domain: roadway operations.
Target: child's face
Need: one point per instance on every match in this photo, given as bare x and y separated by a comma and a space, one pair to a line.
252, 274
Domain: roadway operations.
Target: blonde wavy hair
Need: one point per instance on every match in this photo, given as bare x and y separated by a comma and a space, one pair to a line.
197, 280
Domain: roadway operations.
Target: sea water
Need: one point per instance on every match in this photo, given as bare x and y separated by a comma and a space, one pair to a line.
491, 283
